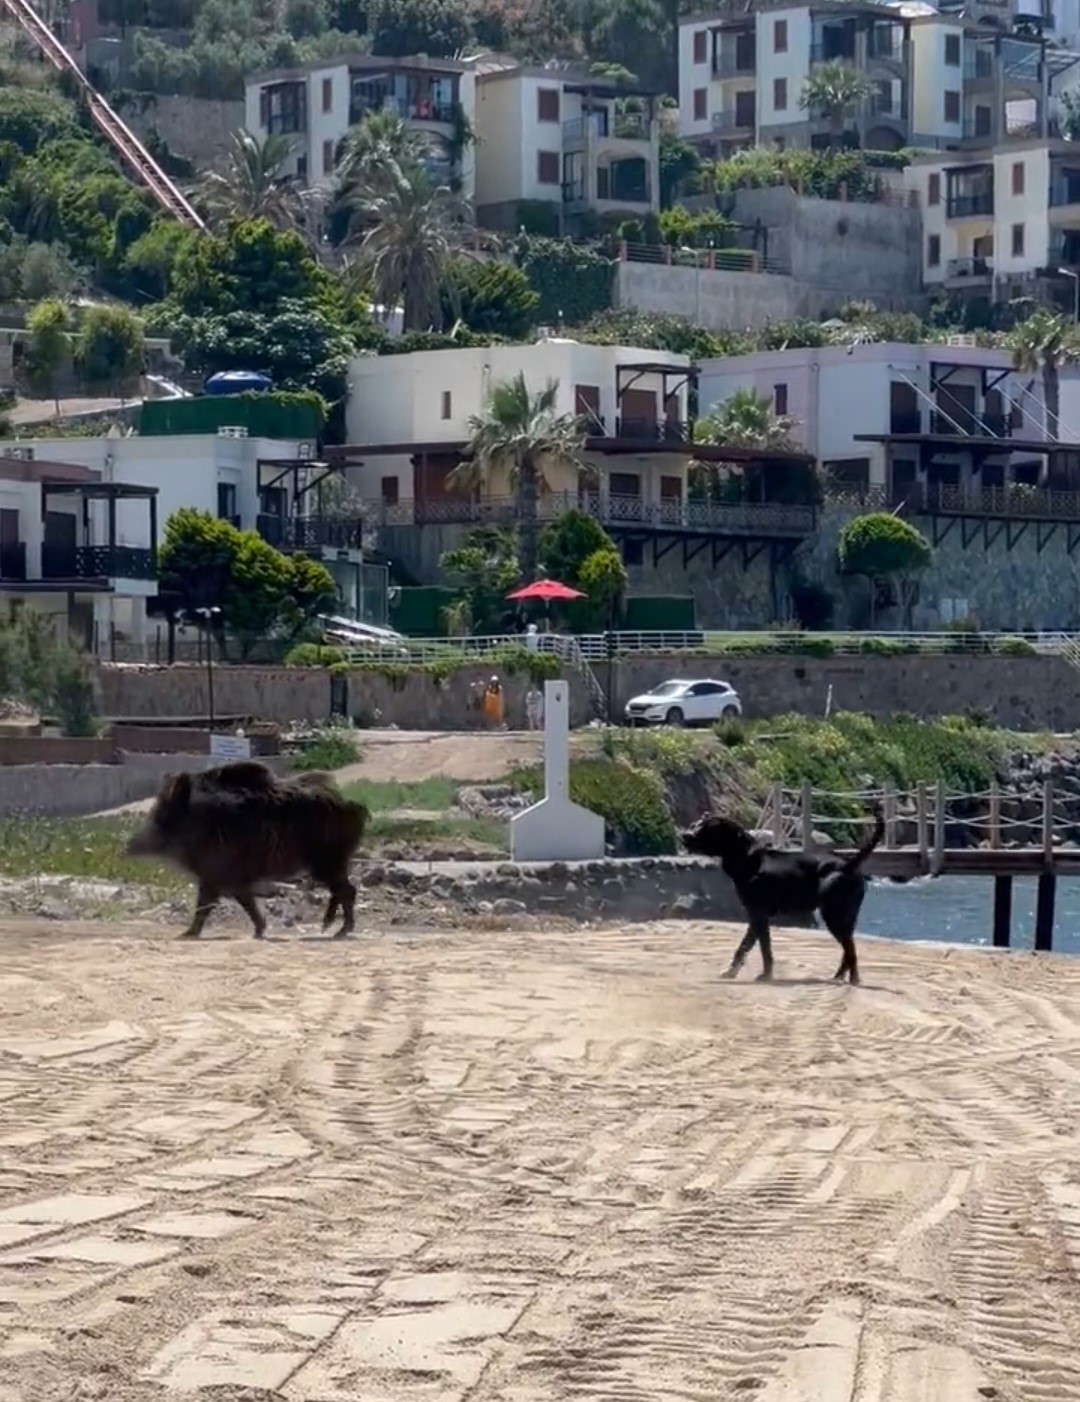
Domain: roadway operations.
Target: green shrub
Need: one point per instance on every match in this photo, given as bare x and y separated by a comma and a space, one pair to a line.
630, 801
333, 749
1013, 647
313, 655
573, 282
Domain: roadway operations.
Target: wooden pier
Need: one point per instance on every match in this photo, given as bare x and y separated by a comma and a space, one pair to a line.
1006, 849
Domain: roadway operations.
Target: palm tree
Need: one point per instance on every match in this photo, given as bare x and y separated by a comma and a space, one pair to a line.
523, 434
1043, 344
413, 228
746, 420
380, 146
835, 91
252, 182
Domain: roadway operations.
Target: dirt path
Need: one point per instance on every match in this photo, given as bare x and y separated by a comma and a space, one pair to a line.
514, 1166
409, 756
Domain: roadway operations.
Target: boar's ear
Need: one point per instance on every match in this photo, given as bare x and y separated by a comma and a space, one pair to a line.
176, 791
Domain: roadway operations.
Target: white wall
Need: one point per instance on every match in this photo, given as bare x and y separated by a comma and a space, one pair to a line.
932, 77
1031, 209
537, 136
692, 76
326, 126
794, 66
499, 127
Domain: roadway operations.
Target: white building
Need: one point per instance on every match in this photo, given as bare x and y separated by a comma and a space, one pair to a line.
997, 221
558, 136
74, 546
270, 485
902, 421
940, 78
317, 103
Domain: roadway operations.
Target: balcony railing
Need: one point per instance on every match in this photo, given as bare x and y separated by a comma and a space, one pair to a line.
1003, 503
958, 422
13, 561
652, 430
96, 562
970, 269
445, 112
968, 206
734, 65
310, 532
1065, 192
734, 120
978, 64
909, 421
976, 129
827, 53
705, 517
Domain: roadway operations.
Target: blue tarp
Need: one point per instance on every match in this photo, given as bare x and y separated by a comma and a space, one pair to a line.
237, 382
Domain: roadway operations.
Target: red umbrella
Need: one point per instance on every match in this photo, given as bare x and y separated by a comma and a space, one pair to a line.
546, 589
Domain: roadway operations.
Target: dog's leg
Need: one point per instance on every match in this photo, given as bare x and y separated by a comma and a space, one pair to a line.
746, 944
841, 913
765, 940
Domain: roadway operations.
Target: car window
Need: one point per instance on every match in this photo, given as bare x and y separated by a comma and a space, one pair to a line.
667, 688
706, 689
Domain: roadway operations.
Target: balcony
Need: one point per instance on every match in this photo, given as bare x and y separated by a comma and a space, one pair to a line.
596, 126
969, 270
734, 120
96, 562
977, 128
894, 110
970, 206
310, 533
1065, 191
734, 65
833, 53
652, 430
1012, 503
978, 64
964, 424
905, 421
445, 113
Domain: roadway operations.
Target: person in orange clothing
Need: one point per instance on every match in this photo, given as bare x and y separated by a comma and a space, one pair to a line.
494, 703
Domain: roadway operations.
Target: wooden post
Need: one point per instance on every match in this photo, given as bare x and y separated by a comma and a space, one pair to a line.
1044, 912
938, 861
807, 817
922, 829
995, 825
1048, 822
776, 803
890, 816
1003, 888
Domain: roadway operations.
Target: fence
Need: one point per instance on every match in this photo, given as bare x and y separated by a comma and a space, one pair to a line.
713, 260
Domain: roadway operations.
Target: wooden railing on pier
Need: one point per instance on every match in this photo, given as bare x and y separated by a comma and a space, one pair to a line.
922, 828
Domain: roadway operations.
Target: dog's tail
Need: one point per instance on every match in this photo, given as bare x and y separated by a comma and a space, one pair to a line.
855, 862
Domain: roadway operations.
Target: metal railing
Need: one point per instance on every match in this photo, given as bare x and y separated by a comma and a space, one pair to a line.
1065, 192
13, 561
445, 112
310, 532
597, 646
1015, 502
653, 430
734, 120
718, 518
728, 64
968, 206
729, 260
970, 269
86, 562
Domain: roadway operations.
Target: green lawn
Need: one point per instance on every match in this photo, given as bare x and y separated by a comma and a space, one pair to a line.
89, 847
433, 795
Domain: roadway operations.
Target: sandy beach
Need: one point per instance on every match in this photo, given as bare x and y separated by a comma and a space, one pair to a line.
525, 1166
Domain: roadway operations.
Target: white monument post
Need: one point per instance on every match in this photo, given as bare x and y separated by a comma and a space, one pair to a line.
556, 830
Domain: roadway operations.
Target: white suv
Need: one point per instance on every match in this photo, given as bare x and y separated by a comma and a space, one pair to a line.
684, 703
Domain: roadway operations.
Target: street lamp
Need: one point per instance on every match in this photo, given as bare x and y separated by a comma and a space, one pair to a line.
208, 615
1068, 272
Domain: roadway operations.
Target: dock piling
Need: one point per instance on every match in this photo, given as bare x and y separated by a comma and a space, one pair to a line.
1044, 912
1003, 890
937, 865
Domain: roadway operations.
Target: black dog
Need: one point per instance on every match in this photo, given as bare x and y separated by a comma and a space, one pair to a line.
773, 883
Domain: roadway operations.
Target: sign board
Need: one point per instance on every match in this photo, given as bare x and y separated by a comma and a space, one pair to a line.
230, 747
556, 829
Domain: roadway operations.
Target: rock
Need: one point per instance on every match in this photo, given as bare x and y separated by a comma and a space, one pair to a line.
400, 876
509, 907
373, 876
686, 905
55, 910
508, 869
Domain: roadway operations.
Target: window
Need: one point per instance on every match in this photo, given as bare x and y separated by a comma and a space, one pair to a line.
779, 399
327, 94
701, 104
633, 552
547, 104
701, 45
952, 50
327, 157
547, 167
447, 407
301, 167
226, 502
933, 190
1018, 240
744, 108
933, 251
779, 36
779, 94
1018, 178
389, 490
952, 106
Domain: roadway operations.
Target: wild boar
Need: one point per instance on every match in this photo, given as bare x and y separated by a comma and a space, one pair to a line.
237, 825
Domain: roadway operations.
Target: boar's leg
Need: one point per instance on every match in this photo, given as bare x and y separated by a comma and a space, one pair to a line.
345, 892
205, 900
246, 901
332, 907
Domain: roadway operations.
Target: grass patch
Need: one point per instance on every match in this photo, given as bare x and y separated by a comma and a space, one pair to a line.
430, 795
438, 832
629, 798
92, 848
333, 749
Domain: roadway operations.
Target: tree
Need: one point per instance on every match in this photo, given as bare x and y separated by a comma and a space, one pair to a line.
577, 550
1070, 114
439, 28
379, 148
413, 229
491, 298
521, 434
252, 182
50, 344
746, 420
602, 578
249, 267
485, 568
883, 546
109, 345
678, 161
835, 91
1044, 343
206, 563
